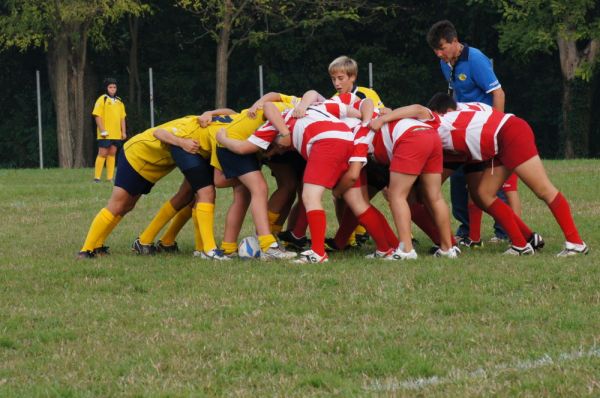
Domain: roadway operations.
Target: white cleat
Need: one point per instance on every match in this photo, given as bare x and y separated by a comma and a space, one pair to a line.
526, 250
276, 252
573, 249
310, 257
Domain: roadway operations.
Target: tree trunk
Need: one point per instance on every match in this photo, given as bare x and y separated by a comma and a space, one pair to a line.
223, 57
577, 95
58, 71
92, 90
576, 121
78, 113
135, 92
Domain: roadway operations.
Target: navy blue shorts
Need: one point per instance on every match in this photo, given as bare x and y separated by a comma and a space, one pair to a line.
292, 158
108, 143
473, 167
235, 165
129, 179
197, 170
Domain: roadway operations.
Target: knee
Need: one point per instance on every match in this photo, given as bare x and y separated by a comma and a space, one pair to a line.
206, 194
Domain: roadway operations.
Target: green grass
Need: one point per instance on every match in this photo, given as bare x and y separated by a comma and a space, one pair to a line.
123, 325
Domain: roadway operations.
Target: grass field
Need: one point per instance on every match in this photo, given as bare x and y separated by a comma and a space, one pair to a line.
123, 325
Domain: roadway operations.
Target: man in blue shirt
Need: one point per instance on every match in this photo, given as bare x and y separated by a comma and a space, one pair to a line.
470, 76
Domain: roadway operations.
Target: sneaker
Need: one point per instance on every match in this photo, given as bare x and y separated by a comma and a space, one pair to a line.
144, 250
573, 249
330, 245
162, 248
536, 241
498, 239
400, 254
450, 253
472, 244
101, 251
214, 254
380, 254
526, 250
97, 180
290, 241
309, 256
434, 248
276, 252
85, 254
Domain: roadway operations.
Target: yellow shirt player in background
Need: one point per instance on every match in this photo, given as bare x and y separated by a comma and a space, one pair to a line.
109, 113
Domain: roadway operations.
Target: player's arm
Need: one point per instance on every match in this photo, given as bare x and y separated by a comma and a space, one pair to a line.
123, 129
259, 104
273, 115
206, 118
347, 180
414, 111
187, 144
100, 124
367, 106
236, 146
309, 97
498, 99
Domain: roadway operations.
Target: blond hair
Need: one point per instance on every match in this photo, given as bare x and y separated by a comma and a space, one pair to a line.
344, 64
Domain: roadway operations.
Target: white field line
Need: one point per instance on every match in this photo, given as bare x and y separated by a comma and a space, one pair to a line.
457, 375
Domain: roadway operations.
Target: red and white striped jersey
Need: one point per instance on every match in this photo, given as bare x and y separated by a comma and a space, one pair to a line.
472, 129
385, 140
318, 124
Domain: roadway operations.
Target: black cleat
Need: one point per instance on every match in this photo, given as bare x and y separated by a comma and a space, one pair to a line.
290, 241
101, 251
144, 250
467, 242
85, 254
162, 248
361, 239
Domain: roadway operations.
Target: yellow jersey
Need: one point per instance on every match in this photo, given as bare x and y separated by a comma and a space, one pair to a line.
242, 126
112, 112
364, 92
152, 158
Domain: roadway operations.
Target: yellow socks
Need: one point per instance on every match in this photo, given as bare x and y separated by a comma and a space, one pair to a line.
98, 167
265, 241
273, 226
205, 214
352, 239
360, 230
177, 223
113, 224
99, 230
110, 167
163, 216
229, 247
197, 238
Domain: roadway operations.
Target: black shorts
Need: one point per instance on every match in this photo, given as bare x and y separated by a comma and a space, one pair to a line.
293, 158
197, 170
108, 143
378, 175
129, 179
473, 167
235, 165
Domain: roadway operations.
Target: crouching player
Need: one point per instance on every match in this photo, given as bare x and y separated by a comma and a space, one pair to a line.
413, 150
483, 134
145, 159
327, 144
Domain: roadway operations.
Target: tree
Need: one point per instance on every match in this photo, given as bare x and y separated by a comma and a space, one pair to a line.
62, 28
572, 27
234, 22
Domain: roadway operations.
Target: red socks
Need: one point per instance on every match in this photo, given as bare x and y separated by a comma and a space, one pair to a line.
301, 222
562, 213
371, 220
317, 225
475, 215
347, 225
503, 214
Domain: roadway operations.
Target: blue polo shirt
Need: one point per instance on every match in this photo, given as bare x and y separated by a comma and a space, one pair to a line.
473, 79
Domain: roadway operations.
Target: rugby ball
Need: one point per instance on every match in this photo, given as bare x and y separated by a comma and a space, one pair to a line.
249, 248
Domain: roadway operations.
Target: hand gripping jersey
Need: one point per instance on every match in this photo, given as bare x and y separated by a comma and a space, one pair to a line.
318, 124
472, 129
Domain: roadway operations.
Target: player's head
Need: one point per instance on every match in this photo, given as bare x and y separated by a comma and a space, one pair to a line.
343, 71
443, 40
441, 103
110, 85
